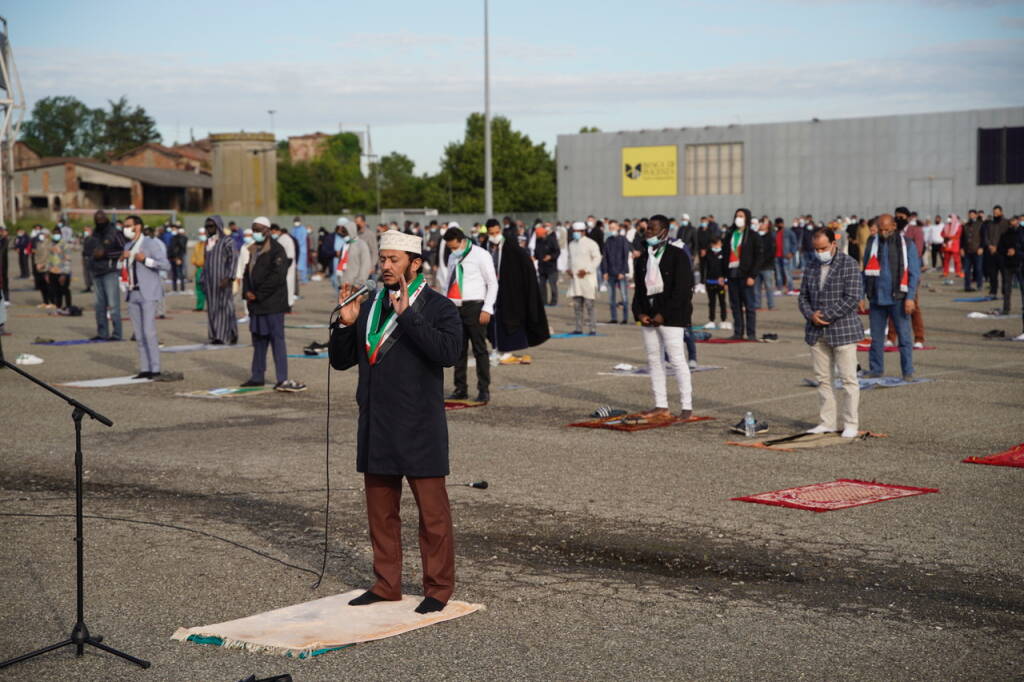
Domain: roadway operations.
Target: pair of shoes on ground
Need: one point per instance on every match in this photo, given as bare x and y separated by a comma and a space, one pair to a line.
105, 338
428, 605
482, 397
725, 324
848, 431
288, 386
739, 337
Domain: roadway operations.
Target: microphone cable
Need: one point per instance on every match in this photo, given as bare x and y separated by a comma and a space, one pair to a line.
334, 319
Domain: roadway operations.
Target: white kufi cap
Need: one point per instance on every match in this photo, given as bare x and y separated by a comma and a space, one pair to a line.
262, 220
400, 241
579, 226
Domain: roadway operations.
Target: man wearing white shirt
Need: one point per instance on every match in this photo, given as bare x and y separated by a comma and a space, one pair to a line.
473, 287
584, 258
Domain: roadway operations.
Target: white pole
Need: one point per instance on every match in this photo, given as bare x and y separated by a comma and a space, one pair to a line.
488, 175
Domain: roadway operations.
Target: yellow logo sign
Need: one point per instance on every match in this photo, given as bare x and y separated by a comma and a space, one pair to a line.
650, 171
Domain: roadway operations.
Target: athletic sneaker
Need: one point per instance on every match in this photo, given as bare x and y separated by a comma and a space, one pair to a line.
251, 384
850, 432
919, 345
1019, 338
692, 364
725, 325
890, 344
711, 325
290, 386
821, 428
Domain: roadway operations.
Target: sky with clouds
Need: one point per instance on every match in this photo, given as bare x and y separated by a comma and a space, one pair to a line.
414, 70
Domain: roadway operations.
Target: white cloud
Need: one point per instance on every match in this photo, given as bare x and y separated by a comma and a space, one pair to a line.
401, 96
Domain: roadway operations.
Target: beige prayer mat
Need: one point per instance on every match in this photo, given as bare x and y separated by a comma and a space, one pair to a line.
322, 625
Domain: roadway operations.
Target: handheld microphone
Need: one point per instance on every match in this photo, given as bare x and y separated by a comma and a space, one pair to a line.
368, 287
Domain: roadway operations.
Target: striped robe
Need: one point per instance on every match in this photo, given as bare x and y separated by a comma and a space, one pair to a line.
221, 262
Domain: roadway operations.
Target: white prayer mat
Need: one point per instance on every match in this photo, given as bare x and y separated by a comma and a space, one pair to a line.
987, 316
104, 383
322, 625
201, 346
626, 370
231, 392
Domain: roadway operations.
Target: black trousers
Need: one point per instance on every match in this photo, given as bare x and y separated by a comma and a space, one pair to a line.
475, 333
741, 299
993, 266
42, 285
23, 265
60, 289
548, 286
716, 293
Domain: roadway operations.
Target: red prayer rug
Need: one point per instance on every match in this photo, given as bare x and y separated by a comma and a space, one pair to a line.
636, 422
461, 404
839, 494
1014, 457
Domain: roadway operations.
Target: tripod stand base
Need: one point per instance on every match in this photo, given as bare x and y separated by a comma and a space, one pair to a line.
79, 638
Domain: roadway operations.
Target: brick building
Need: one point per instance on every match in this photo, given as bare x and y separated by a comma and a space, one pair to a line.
306, 147
55, 184
154, 155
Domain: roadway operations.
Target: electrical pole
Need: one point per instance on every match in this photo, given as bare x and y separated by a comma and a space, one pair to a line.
488, 174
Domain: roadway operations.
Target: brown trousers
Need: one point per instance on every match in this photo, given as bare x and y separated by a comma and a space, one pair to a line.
437, 544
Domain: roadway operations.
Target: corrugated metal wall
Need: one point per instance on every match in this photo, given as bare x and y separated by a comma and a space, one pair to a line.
862, 165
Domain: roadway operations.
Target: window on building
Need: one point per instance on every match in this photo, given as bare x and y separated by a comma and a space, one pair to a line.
39, 202
714, 168
1001, 156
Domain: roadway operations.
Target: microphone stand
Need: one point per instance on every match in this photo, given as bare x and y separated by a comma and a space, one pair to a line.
80, 635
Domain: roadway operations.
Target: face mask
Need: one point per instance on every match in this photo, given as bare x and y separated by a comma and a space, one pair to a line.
704, 224
203, 237
740, 221
685, 223
494, 238
56, 237
296, 223
653, 241
576, 236
129, 233
825, 257
591, 223
259, 237
248, 240
716, 249
275, 236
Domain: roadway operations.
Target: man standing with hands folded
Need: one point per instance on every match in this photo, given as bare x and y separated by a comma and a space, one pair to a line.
402, 339
829, 294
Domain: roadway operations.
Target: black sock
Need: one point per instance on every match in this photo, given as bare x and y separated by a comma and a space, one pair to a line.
429, 605
365, 598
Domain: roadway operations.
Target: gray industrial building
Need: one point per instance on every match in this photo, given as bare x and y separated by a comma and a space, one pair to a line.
933, 163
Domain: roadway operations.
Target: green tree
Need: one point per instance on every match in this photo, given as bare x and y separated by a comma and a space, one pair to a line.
331, 183
125, 128
524, 172
63, 126
400, 187
591, 129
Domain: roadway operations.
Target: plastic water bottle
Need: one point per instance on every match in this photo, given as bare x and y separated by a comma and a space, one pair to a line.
749, 424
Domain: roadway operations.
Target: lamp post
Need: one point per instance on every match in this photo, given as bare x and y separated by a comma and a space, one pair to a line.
271, 112
488, 177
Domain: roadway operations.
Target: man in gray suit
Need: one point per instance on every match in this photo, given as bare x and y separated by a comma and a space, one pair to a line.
142, 261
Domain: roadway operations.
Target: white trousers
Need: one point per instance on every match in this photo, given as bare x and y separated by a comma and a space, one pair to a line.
831, 363
659, 341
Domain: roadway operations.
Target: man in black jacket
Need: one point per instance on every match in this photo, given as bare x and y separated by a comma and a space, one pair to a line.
663, 304
992, 232
546, 252
742, 257
401, 340
107, 246
176, 253
519, 319
1010, 259
265, 289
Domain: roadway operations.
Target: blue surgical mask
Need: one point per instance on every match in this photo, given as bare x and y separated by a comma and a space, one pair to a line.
824, 256
274, 236
716, 249
56, 237
653, 241
259, 237
704, 224
576, 236
203, 237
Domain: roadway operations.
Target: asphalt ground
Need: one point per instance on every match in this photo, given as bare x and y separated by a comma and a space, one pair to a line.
599, 555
